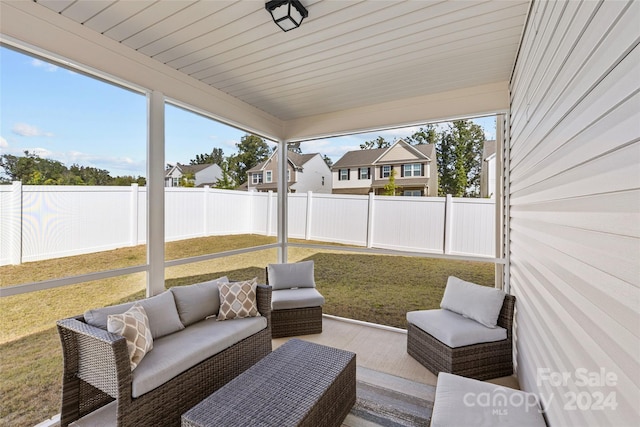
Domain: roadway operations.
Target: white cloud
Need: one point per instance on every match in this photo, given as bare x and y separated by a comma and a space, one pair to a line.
44, 65
24, 129
3, 143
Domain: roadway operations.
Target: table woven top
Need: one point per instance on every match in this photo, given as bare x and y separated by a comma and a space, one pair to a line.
278, 390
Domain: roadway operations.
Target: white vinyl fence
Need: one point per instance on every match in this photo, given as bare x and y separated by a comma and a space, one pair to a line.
42, 222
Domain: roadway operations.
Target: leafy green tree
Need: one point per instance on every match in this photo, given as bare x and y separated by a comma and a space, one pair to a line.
391, 189
328, 161
251, 150
188, 180
216, 157
91, 175
23, 168
379, 142
31, 169
459, 156
425, 135
128, 180
226, 182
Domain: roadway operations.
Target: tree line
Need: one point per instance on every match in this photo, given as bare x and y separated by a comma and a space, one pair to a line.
458, 149
32, 169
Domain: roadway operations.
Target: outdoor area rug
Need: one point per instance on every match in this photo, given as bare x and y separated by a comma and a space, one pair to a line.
389, 401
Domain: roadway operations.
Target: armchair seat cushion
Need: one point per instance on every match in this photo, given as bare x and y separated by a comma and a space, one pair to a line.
463, 401
284, 299
453, 329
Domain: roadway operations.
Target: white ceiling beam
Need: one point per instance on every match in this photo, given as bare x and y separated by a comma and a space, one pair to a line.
469, 102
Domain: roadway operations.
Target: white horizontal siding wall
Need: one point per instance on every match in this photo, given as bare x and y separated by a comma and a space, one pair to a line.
575, 209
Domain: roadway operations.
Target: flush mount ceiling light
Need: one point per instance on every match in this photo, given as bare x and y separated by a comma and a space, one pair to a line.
287, 14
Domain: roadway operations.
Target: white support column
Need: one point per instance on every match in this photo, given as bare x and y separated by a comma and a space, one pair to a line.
283, 214
155, 193
370, 220
498, 192
268, 230
506, 182
307, 227
205, 213
133, 233
448, 223
14, 223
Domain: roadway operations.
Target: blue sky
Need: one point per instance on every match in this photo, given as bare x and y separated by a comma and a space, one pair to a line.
66, 116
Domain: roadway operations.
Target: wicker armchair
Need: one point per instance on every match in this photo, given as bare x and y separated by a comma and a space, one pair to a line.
480, 361
302, 316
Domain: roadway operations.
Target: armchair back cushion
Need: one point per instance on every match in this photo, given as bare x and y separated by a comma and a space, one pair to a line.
199, 301
480, 303
294, 275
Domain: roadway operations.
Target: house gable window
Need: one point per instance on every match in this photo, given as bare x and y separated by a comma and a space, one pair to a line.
256, 178
268, 176
412, 169
343, 174
364, 173
385, 171
175, 182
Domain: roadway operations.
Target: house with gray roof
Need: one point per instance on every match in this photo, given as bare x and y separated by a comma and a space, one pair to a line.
367, 171
305, 172
488, 170
199, 175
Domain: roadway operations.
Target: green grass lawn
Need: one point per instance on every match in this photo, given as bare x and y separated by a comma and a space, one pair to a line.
373, 288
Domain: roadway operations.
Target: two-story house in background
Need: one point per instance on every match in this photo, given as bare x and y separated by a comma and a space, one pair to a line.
305, 172
414, 168
488, 170
198, 175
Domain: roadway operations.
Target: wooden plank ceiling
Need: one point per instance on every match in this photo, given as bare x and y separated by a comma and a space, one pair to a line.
346, 54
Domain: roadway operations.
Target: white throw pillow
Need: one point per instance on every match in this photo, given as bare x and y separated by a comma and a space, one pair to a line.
133, 325
294, 275
480, 303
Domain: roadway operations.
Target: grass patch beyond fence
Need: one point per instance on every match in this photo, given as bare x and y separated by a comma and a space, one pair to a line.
373, 288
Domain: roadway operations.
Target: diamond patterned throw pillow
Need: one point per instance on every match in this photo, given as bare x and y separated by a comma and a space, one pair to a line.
238, 300
133, 324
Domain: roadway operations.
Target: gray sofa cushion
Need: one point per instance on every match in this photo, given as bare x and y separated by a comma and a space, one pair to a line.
98, 316
199, 301
161, 311
453, 329
296, 298
480, 303
463, 401
294, 275
176, 353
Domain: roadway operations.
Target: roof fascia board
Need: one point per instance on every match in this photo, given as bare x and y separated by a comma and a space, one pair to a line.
33, 27
456, 104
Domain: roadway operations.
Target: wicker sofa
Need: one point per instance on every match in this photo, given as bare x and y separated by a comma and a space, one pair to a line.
454, 342
97, 368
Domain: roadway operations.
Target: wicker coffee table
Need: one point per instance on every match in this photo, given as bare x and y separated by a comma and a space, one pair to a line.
299, 384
